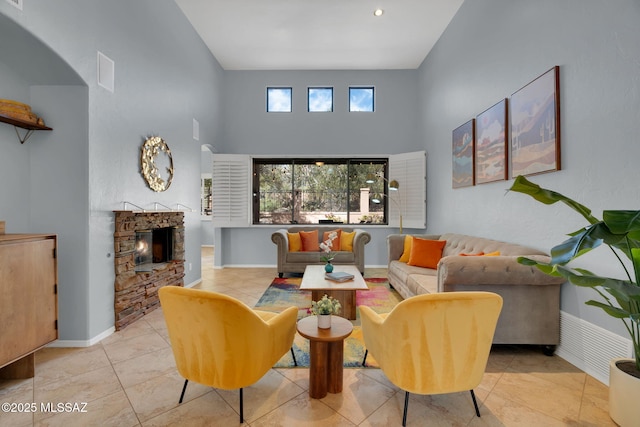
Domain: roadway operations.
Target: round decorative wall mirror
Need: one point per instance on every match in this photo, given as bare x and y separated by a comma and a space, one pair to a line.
156, 163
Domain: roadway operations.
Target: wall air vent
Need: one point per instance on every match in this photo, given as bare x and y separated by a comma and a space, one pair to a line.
15, 3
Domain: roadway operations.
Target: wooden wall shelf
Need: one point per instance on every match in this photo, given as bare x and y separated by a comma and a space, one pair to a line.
29, 126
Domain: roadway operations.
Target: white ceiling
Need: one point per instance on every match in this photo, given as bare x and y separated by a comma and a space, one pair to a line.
319, 35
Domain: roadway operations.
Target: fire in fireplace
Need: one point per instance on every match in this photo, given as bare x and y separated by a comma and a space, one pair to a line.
154, 247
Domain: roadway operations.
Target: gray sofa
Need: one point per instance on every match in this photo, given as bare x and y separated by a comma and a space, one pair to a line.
295, 262
531, 310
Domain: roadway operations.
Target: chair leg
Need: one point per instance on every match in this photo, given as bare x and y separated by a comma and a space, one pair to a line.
475, 403
364, 359
295, 362
241, 408
184, 388
406, 406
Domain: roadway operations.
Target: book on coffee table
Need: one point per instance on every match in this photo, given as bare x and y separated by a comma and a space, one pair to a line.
339, 276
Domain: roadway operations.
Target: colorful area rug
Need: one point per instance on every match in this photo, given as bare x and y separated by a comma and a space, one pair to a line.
285, 292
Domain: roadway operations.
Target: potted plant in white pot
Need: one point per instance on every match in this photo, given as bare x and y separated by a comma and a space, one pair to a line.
620, 231
324, 308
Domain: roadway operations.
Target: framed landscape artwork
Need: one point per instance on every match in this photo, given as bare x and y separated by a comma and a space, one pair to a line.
535, 126
490, 144
462, 149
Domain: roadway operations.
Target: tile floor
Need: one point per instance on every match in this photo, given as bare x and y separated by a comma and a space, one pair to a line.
129, 379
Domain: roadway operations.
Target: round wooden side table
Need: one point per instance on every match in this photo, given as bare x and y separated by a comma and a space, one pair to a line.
326, 348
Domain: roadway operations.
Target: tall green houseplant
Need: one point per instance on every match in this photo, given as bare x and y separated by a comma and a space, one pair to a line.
620, 231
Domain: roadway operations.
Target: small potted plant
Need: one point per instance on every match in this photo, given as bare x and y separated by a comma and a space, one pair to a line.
620, 231
324, 308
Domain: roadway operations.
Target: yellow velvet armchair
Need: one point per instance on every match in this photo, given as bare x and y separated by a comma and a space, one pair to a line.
220, 342
433, 343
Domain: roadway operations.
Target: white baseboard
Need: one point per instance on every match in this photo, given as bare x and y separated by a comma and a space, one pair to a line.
192, 284
590, 347
83, 343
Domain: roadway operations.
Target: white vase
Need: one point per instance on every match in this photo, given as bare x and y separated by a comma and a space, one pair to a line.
624, 390
324, 321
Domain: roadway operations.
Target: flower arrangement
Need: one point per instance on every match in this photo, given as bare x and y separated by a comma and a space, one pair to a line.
326, 305
326, 247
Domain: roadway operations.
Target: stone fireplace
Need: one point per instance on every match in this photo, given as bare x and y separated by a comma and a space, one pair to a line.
148, 254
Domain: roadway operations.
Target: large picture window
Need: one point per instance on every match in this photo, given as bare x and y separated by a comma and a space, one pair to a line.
311, 191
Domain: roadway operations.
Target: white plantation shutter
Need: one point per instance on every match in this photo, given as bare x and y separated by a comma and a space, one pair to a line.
230, 188
410, 170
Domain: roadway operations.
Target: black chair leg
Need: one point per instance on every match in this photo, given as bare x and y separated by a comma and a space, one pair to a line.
184, 388
295, 362
364, 359
475, 403
241, 409
406, 406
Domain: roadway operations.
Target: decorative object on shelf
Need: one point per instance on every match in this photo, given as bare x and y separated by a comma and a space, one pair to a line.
394, 186
462, 150
20, 116
491, 145
326, 247
324, 308
535, 125
620, 231
151, 149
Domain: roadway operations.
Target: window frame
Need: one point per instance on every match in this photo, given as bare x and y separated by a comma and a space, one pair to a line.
309, 89
373, 98
233, 195
206, 193
289, 88
257, 161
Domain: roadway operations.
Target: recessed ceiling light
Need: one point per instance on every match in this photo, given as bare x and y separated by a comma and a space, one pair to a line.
378, 12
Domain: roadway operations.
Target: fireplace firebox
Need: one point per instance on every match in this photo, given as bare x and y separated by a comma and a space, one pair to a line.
154, 247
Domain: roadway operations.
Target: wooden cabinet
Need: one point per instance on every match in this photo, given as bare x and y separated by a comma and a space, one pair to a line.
28, 300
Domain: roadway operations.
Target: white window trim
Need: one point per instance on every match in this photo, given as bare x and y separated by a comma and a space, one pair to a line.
410, 170
231, 190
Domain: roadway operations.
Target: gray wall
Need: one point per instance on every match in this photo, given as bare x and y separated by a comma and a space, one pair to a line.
68, 181
164, 77
491, 49
249, 129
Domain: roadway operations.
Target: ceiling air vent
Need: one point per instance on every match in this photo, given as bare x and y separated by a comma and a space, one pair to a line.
16, 3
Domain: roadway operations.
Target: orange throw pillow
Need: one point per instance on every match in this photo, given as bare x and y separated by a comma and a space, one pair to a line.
295, 244
346, 241
426, 253
407, 249
335, 243
310, 241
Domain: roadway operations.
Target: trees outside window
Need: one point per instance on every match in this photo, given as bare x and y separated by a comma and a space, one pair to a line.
306, 191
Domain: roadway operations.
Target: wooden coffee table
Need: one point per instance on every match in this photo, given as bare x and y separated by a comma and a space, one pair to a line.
326, 349
313, 280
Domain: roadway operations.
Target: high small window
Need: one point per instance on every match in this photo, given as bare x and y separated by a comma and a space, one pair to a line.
320, 99
278, 99
361, 99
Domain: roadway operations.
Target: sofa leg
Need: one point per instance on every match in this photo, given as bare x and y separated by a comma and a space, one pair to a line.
548, 350
280, 275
